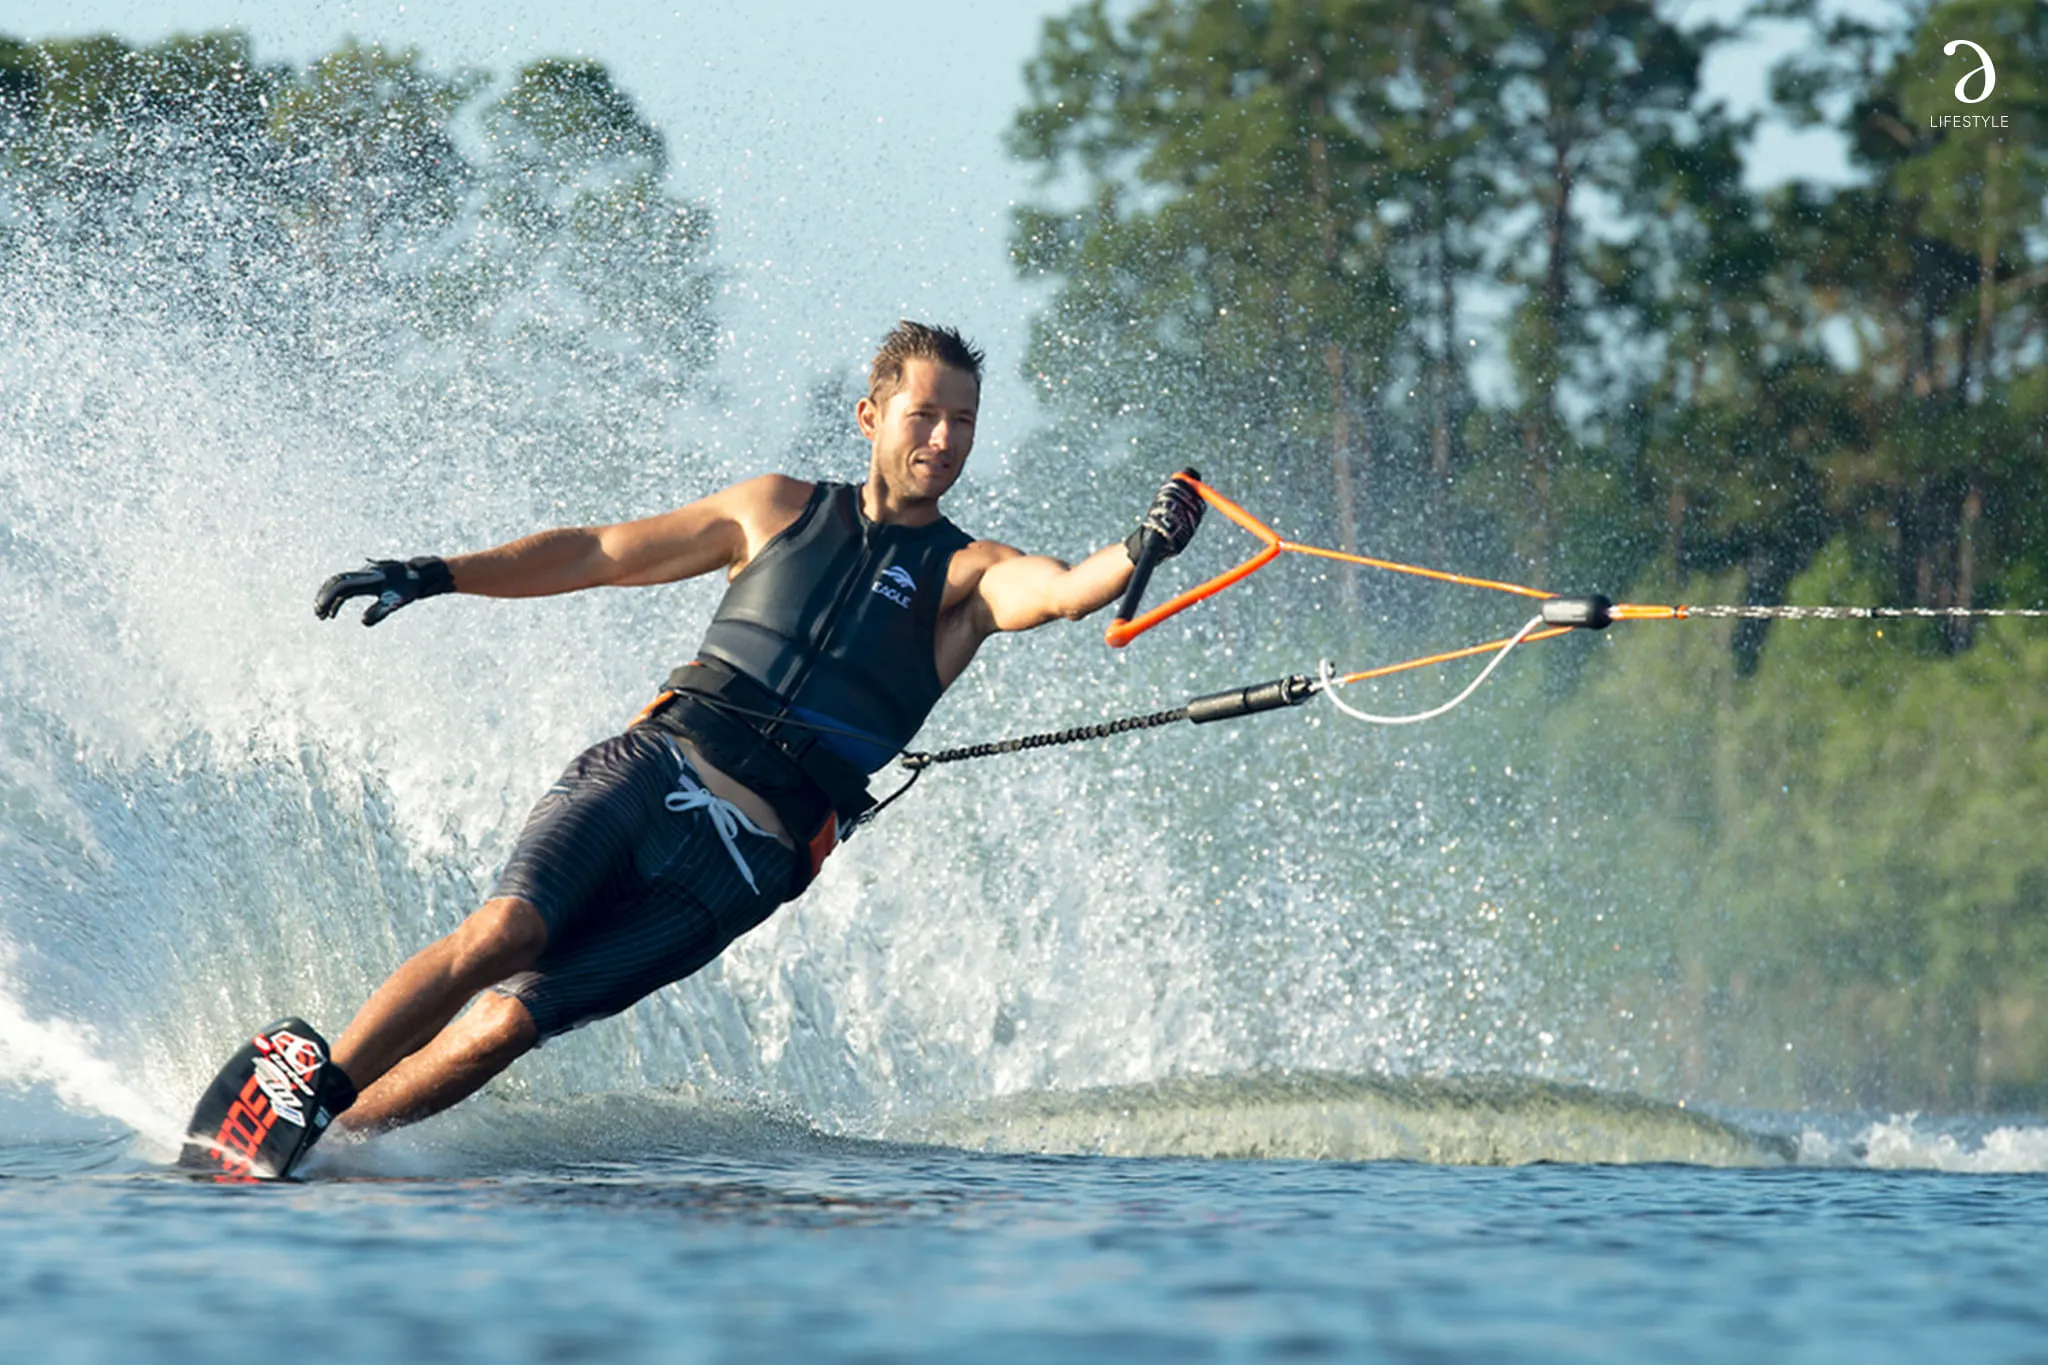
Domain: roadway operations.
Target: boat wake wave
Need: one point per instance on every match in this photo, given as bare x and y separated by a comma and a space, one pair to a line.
1488, 1120
1478, 1120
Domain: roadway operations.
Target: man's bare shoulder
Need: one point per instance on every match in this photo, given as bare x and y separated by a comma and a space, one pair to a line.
983, 553
764, 507
970, 562
768, 491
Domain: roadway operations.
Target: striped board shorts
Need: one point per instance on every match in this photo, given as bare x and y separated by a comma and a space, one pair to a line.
641, 876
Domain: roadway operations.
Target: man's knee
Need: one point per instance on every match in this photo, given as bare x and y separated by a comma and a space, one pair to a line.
501, 1026
499, 938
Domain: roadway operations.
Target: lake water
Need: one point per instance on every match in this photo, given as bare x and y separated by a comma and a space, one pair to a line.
582, 1234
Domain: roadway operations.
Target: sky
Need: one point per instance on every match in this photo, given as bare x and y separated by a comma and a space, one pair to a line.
851, 154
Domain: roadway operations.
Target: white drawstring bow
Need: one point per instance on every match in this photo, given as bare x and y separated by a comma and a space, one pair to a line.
726, 818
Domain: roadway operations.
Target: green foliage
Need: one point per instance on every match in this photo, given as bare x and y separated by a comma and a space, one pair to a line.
561, 116
1268, 230
90, 129
367, 203
365, 132
1286, 213
576, 187
1928, 265
1841, 852
1227, 277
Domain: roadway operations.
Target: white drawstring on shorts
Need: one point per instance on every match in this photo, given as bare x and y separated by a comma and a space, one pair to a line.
726, 818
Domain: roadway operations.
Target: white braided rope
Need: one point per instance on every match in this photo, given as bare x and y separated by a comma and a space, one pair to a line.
1758, 613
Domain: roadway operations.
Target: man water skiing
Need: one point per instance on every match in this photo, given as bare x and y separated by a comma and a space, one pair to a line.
849, 610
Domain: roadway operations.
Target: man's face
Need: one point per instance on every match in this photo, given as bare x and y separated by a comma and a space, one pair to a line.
923, 432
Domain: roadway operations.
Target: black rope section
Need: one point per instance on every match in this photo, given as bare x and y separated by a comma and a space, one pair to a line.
1217, 706
918, 762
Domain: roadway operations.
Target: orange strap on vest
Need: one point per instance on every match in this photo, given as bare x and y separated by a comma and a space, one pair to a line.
648, 710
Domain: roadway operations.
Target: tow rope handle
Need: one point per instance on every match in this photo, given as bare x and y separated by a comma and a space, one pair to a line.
1151, 549
1128, 626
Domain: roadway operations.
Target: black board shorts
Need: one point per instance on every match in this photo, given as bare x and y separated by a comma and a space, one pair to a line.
624, 860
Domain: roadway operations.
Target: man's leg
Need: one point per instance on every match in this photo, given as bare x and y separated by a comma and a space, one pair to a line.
415, 1004
581, 854
576, 856
496, 1032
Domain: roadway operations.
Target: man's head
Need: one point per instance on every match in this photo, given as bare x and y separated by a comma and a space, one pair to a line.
924, 391
909, 341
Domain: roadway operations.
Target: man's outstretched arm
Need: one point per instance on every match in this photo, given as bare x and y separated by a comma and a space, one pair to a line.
691, 540
711, 533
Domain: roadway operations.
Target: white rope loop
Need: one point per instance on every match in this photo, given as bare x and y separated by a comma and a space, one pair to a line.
1327, 673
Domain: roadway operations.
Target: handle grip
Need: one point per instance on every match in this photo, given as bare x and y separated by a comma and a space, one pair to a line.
1151, 549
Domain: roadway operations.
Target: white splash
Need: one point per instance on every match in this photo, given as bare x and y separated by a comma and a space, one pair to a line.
69, 1060
1910, 1142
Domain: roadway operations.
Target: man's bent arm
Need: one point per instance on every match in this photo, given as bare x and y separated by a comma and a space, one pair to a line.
1026, 591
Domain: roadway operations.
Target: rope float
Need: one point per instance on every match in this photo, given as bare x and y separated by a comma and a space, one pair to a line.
1556, 615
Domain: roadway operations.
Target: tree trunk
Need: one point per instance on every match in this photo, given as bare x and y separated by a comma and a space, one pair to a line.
1340, 467
1440, 394
1540, 426
1449, 375
1987, 269
1335, 361
1961, 629
1674, 523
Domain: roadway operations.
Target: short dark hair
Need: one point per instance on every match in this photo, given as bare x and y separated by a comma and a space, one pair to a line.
908, 341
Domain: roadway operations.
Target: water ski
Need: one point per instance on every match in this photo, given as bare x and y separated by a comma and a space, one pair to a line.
267, 1107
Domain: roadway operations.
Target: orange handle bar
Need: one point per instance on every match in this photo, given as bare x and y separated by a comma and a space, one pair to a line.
1561, 614
1122, 632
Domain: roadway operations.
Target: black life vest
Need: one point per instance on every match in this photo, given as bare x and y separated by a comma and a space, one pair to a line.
820, 663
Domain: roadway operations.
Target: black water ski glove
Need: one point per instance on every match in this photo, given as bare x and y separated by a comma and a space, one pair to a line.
1173, 517
393, 585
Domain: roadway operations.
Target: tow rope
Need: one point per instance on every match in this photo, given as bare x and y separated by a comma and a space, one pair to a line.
1556, 615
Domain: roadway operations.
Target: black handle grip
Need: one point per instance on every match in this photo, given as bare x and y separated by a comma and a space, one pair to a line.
1151, 549
1592, 613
